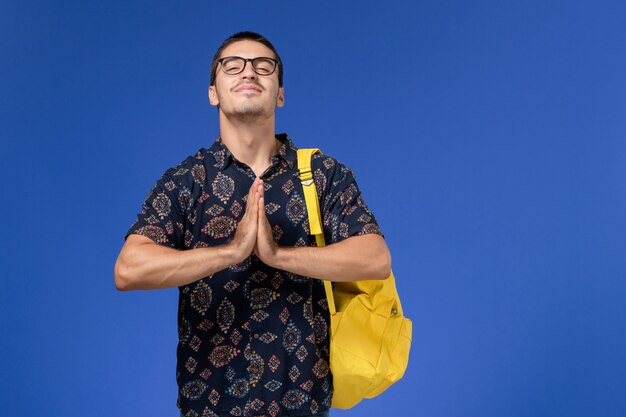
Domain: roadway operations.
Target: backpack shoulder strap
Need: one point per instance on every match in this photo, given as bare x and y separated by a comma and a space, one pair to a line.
313, 208
310, 194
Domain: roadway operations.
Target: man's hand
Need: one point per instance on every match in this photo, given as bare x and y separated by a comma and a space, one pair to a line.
266, 247
245, 238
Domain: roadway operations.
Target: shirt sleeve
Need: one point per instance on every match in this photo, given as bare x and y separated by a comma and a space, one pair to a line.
344, 211
163, 212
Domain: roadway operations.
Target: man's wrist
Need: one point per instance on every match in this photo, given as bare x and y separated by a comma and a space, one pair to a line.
282, 258
231, 253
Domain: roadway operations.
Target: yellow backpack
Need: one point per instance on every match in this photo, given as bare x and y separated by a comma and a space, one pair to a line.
370, 339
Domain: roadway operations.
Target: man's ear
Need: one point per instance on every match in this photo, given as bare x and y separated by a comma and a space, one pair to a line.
280, 100
213, 96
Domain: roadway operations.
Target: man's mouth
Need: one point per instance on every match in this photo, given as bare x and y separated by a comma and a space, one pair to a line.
247, 88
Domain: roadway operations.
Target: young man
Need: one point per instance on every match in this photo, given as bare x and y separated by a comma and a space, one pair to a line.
229, 227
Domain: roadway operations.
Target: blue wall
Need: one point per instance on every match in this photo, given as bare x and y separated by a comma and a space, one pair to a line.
488, 138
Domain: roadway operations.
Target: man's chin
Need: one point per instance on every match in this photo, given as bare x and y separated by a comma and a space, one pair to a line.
250, 112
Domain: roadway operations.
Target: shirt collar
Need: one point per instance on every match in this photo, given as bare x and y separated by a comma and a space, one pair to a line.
223, 157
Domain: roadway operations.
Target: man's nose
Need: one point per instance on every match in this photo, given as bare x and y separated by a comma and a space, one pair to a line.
248, 70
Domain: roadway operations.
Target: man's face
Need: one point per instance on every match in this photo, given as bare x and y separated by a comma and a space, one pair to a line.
247, 94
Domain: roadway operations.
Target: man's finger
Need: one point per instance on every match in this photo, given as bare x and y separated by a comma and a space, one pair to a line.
250, 204
261, 210
261, 198
254, 211
263, 221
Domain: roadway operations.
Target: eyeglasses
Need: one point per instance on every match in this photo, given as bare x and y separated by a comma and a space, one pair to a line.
233, 65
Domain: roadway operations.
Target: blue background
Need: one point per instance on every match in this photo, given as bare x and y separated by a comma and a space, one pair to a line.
488, 138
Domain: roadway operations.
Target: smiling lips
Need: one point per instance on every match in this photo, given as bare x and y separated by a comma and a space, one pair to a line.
247, 88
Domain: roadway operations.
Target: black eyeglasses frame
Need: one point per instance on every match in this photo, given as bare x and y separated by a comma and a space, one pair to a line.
251, 61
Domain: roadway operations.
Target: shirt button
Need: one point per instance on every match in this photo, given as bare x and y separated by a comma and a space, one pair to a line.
256, 336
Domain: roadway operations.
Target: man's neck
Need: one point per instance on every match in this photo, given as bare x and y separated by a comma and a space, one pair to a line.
252, 142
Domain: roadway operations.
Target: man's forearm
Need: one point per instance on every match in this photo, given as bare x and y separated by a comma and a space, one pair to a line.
353, 259
144, 265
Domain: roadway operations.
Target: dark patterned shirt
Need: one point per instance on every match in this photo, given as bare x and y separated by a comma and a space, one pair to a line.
253, 340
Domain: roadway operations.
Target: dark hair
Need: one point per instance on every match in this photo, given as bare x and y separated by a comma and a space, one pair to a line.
246, 36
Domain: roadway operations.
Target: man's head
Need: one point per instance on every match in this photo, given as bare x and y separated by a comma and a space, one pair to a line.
246, 78
249, 36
